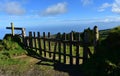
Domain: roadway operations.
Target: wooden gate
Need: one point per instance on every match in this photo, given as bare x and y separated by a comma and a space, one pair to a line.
62, 48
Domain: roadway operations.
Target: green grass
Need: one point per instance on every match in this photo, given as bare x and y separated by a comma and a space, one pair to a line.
107, 31
106, 61
26, 66
15, 62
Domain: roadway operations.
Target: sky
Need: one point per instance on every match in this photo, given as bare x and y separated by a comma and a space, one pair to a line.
49, 13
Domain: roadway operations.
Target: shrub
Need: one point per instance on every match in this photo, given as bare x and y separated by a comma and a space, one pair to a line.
11, 42
112, 44
106, 62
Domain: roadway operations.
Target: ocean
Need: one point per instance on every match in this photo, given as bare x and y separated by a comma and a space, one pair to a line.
55, 29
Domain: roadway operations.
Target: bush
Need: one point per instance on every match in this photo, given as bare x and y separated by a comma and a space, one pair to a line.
112, 44
11, 42
10, 45
106, 62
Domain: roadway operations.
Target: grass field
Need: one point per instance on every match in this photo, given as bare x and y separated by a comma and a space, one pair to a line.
14, 61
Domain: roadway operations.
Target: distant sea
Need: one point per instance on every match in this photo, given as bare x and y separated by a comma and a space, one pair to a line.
55, 29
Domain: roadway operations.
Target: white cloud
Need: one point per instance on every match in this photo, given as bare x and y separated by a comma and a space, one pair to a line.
13, 8
59, 8
111, 19
116, 7
86, 2
104, 6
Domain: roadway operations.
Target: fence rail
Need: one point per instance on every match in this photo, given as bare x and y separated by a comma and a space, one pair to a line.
59, 48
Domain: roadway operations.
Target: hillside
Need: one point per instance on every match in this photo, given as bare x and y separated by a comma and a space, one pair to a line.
104, 33
14, 61
115, 29
106, 60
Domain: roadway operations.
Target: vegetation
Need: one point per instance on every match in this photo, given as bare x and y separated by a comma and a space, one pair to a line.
106, 61
15, 62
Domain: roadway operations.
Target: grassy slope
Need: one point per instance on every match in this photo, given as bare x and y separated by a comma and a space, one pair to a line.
15, 62
104, 33
107, 31
106, 61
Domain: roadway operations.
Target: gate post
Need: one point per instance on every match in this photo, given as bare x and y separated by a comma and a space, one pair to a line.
23, 35
12, 30
85, 46
96, 38
23, 32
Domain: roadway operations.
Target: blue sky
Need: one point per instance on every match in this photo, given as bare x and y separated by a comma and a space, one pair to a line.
29, 13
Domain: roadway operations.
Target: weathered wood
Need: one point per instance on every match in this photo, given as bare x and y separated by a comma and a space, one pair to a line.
77, 50
27, 42
79, 37
16, 28
49, 46
44, 42
96, 33
77, 54
23, 35
71, 54
85, 47
23, 32
30, 40
35, 43
39, 44
96, 38
60, 42
12, 29
59, 47
64, 48
54, 54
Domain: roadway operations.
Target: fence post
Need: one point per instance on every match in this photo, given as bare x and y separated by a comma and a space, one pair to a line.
59, 46
44, 42
77, 50
26, 42
64, 47
23, 37
71, 55
54, 54
23, 32
30, 40
35, 41
96, 38
49, 46
85, 47
79, 37
12, 30
39, 44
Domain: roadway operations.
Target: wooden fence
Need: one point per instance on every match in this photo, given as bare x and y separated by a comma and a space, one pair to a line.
59, 48
67, 49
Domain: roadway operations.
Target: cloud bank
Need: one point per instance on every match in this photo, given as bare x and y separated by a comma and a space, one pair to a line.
12, 8
86, 2
56, 9
104, 6
115, 7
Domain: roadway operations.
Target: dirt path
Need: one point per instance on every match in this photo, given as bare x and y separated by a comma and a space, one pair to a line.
59, 70
19, 57
31, 59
